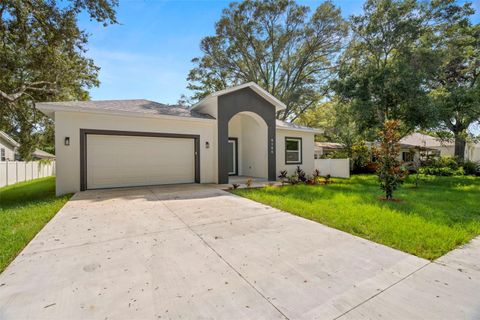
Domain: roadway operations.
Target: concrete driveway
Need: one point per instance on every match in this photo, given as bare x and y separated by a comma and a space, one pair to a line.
192, 251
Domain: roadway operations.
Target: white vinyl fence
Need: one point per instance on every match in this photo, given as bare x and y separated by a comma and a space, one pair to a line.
339, 168
12, 172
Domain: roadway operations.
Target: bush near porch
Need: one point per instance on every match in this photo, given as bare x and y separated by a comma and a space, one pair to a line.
24, 209
428, 221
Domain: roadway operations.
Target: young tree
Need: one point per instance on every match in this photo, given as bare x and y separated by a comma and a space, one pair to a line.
42, 58
386, 66
389, 172
456, 87
275, 43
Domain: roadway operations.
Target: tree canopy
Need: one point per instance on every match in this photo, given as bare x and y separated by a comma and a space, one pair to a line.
43, 58
386, 68
277, 44
456, 88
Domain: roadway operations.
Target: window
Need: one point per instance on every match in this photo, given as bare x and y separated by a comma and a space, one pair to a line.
2, 154
407, 156
293, 150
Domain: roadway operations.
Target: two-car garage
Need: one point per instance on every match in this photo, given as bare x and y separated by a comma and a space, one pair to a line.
112, 159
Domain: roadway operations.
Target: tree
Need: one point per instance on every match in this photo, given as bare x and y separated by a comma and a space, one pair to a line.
386, 66
337, 122
389, 172
276, 44
456, 88
42, 58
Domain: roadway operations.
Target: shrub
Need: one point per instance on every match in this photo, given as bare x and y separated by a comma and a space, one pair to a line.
471, 168
361, 156
293, 179
442, 166
442, 171
301, 174
328, 179
316, 176
283, 176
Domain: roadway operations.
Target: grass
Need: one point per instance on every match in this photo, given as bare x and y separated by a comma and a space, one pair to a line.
428, 221
24, 209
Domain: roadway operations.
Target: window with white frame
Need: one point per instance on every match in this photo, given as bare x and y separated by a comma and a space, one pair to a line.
2, 154
293, 150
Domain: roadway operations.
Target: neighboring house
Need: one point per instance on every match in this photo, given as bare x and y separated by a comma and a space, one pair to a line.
325, 148
8, 147
444, 148
9, 150
122, 143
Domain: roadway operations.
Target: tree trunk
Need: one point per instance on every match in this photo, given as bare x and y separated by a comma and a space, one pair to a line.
460, 147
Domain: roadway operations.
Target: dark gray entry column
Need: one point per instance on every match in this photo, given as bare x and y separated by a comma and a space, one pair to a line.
240, 101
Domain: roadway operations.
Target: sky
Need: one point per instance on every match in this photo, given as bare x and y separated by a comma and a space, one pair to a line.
148, 54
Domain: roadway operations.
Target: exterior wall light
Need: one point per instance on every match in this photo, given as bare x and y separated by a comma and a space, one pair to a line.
67, 141
207, 145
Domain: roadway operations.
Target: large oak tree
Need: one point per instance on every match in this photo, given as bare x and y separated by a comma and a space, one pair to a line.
456, 87
42, 54
275, 43
386, 69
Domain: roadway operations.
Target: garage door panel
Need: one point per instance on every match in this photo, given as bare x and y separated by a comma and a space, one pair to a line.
121, 161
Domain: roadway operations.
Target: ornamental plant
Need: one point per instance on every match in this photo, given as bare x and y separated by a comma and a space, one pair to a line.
390, 173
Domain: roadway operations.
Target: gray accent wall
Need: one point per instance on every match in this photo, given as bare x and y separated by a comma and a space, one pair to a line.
240, 101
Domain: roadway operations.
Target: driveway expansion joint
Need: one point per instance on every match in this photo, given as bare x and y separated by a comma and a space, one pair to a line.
225, 261
384, 290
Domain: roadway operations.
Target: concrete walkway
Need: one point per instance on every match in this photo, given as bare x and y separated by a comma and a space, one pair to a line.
189, 252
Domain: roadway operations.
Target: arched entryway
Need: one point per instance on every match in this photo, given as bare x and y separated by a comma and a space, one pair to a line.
248, 146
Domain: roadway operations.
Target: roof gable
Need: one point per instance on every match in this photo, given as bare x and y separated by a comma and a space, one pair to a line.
210, 101
8, 139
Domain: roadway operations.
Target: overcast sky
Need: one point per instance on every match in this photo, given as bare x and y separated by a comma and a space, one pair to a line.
147, 55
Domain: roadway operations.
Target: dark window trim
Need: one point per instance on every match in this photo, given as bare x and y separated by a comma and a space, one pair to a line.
236, 156
3, 154
300, 153
83, 147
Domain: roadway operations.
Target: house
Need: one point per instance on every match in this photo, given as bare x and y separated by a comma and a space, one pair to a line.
323, 149
124, 143
8, 147
443, 147
9, 150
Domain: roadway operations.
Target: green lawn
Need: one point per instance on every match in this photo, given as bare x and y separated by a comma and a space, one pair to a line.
24, 209
428, 221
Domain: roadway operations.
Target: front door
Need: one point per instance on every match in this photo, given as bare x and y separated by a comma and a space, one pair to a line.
232, 157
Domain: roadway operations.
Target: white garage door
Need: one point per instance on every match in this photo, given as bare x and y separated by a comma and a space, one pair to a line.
126, 161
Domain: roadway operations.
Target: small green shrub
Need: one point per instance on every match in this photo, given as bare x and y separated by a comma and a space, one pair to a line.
442, 171
471, 168
442, 166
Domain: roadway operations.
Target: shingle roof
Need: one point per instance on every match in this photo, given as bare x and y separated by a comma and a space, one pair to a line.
329, 145
135, 106
43, 154
9, 139
293, 126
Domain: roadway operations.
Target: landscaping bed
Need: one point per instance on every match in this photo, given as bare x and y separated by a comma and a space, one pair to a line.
24, 209
428, 221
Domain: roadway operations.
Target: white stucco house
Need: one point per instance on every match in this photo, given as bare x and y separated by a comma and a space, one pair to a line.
9, 150
444, 148
8, 147
123, 143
